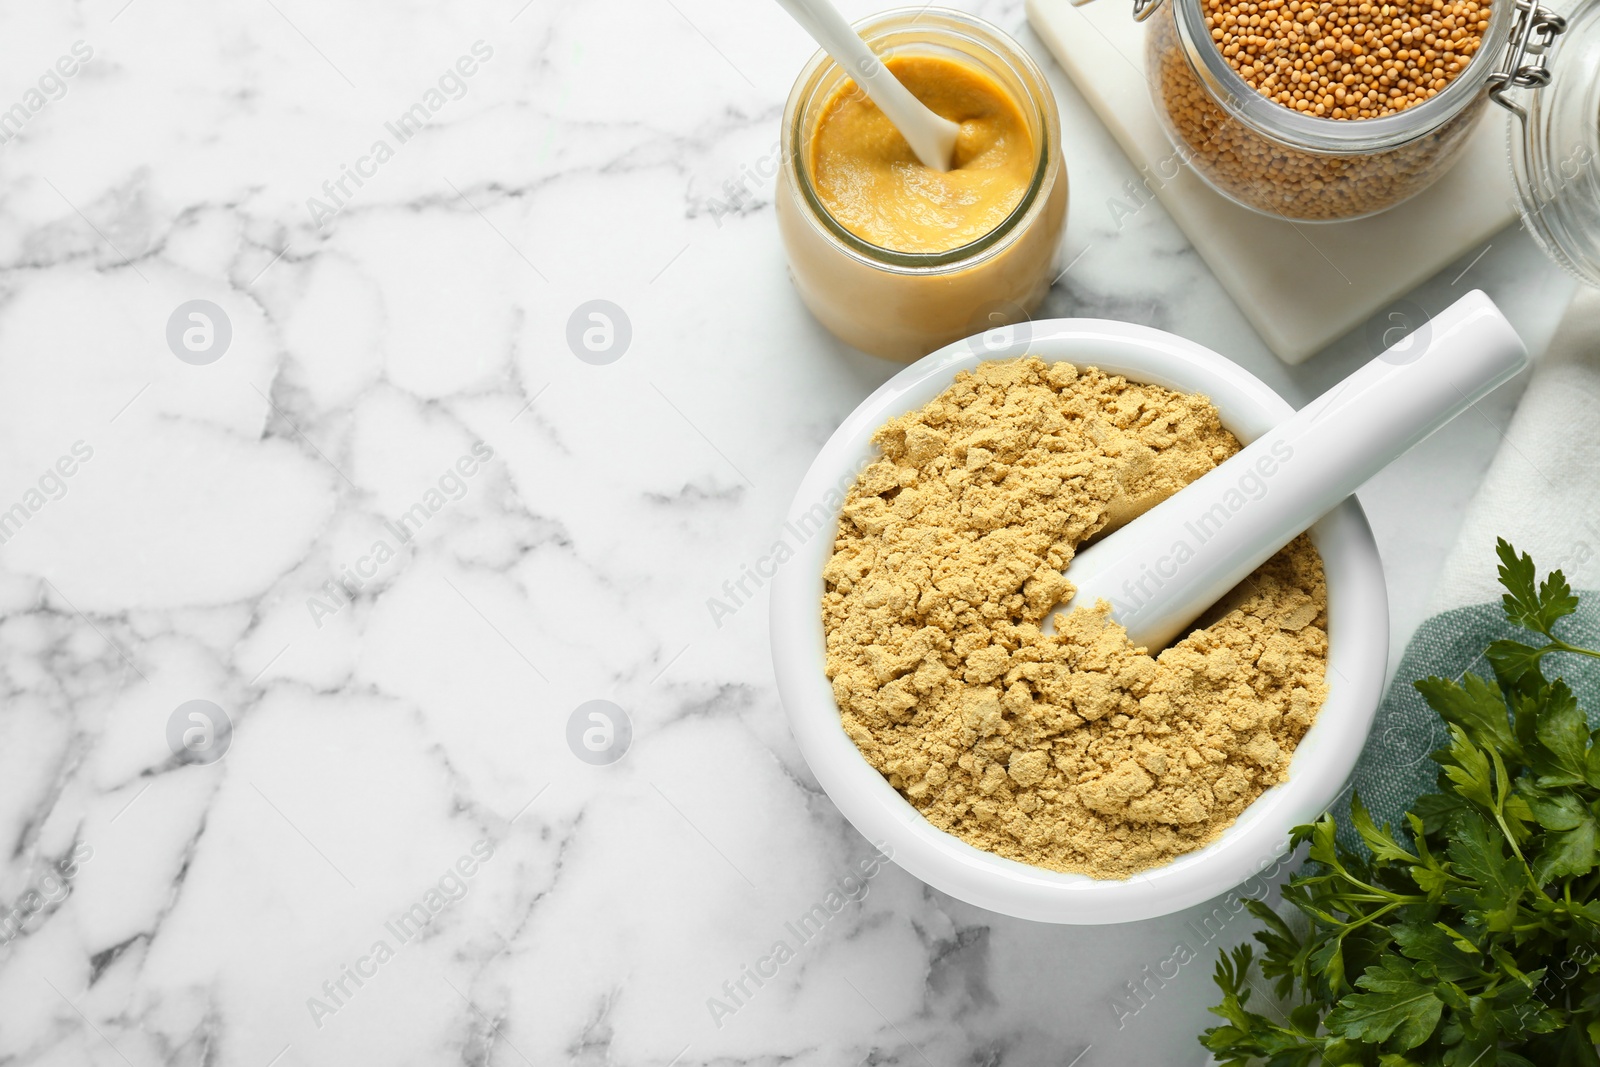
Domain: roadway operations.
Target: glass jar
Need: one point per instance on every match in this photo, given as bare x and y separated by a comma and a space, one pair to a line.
1554, 138
903, 305
1290, 164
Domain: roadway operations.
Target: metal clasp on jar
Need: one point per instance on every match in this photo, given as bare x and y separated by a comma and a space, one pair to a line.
1523, 64
1142, 9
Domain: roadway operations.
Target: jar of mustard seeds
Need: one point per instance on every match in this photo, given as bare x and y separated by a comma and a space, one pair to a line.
893, 258
1325, 110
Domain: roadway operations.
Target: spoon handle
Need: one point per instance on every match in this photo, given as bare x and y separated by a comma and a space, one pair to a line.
1163, 569
932, 137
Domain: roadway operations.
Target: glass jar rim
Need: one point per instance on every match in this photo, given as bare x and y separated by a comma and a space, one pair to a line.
1330, 136
960, 28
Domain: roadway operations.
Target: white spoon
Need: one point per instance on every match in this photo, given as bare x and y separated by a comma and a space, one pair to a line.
931, 137
1166, 567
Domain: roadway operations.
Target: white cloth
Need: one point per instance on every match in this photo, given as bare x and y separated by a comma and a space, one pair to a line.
1542, 491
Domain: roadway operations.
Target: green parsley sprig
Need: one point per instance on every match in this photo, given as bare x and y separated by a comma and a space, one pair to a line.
1472, 937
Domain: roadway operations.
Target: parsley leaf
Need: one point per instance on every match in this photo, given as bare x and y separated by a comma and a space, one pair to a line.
1563, 731
1477, 707
1534, 609
1381, 842
1399, 1002
1478, 854
1513, 660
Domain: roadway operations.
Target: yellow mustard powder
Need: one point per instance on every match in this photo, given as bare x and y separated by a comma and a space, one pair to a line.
1074, 751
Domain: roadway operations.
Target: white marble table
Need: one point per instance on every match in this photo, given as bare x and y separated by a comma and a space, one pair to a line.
391, 767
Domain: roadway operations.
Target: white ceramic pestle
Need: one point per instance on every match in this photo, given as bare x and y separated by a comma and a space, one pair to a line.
1163, 569
932, 137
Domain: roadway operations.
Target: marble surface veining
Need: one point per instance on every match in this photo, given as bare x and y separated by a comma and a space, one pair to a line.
391, 532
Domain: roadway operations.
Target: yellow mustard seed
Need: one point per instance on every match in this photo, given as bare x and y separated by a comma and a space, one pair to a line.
1256, 40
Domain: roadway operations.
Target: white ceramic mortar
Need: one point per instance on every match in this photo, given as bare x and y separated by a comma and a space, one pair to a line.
1358, 639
